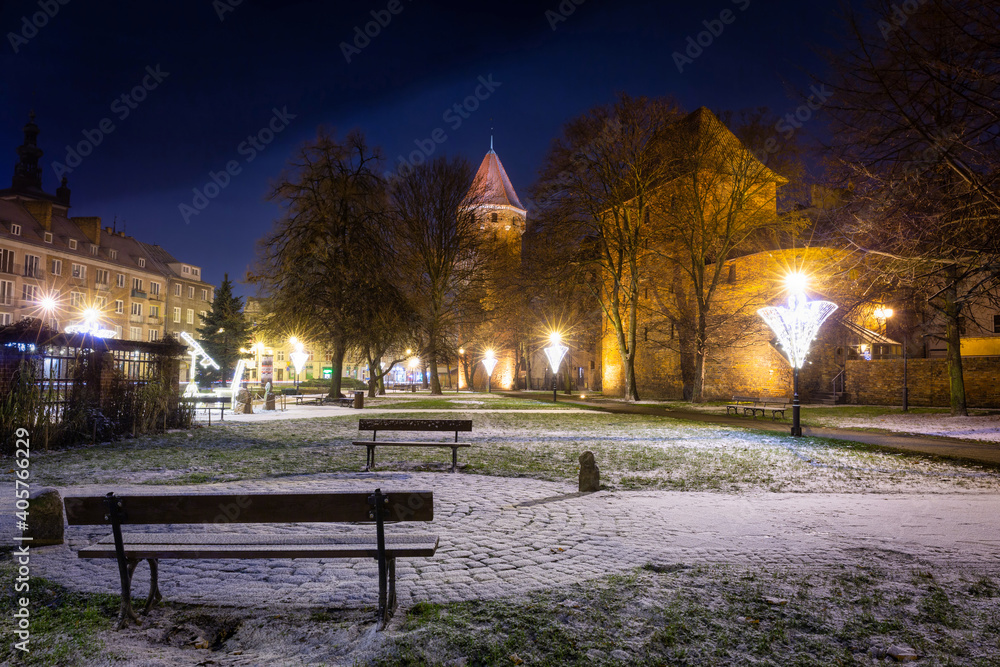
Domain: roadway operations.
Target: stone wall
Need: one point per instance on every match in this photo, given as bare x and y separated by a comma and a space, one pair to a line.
881, 382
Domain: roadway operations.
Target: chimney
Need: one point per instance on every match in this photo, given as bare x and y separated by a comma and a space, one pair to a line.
91, 226
40, 211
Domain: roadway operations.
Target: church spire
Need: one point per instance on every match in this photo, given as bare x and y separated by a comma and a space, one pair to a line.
27, 173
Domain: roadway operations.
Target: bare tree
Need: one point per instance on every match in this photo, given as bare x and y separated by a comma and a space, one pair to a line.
601, 178
320, 265
438, 241
915, 113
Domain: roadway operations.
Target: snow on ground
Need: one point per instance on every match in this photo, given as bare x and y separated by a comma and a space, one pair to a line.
985, 427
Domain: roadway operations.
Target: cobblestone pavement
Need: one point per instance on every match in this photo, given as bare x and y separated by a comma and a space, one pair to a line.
503, 536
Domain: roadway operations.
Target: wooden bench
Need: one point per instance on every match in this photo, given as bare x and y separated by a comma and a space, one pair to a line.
425, 425
281, 509
772, 404
308, 400
208, 403
746, 403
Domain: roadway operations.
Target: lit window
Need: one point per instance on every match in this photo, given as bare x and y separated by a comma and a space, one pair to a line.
101, 303
76, 299
135, 333
177, 315
118, 331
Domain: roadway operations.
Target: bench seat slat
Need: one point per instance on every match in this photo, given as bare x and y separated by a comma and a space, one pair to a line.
415, 425
247, 546
419, 443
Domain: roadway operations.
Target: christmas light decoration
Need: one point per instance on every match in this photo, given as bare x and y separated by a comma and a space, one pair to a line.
489, 363
555, 353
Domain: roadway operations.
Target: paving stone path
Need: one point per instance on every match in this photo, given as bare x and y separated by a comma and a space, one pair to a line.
504, 536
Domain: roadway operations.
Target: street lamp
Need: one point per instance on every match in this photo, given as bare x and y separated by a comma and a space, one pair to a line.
555, 353
461, 367
489, 363
796, 327
414, 362
298, 358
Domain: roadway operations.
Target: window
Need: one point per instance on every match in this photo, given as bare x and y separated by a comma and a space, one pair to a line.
281, 355
137, 309
6, 293
52, 323
142, 263
79, 271
121, 280
101, 277
195, 272
5, 318
118, 331
153, 335
6, 260
72, 244
177, 315
119, 307
204, 295
76, 299
113, 254
47, 237
996, 324
177, 289
57, 267
190, 316
93, 249
101, 303
137, 284
15, 229
31, 267
135, 333
190, 292
186, 269
203, 315
154, 311
154, 288
29, 293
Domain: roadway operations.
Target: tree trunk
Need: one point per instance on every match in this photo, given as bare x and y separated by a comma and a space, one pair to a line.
698, 392
432, 376
337, 368
956, 380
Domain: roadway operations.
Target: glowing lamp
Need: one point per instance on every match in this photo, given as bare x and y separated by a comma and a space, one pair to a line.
555, 353
489, 363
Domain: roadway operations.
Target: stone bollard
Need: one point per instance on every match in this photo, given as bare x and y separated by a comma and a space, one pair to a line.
590, 475
45, 518
244, 403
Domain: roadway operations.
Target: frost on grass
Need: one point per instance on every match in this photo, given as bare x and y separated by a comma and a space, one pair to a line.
633, 452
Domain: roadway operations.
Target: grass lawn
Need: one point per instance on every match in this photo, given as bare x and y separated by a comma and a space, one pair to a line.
633, 452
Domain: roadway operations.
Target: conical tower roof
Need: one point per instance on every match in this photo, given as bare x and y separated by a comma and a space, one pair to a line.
491, 187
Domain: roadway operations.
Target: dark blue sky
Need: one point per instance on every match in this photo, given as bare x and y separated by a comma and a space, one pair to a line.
220, 81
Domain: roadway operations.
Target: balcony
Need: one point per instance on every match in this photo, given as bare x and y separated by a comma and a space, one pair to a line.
154, 321
12, 269
156, 297
104, 287
139, 294
37, 273
6, 300
135, 319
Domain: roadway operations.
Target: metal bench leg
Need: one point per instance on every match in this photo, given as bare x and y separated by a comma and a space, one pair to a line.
390, 607
370, 460
125, 611
154, 586
454, 459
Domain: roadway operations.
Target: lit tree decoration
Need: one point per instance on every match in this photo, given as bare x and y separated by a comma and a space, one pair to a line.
796, 327
489, 363
206, 362
298, 357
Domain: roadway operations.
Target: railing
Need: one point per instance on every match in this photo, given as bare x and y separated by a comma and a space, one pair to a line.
138, 294
135, 319
36, 272
102, 286
155, 320
839, 380
156, 297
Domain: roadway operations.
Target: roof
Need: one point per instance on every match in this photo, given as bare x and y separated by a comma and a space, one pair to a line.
492, 185
714, 133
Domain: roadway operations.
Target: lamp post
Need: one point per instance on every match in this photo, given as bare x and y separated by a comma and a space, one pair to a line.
461, 366
555, 353
796, 327
298, 358
489, 363
414, 362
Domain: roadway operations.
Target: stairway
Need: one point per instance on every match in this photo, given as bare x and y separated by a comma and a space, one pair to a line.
828, 397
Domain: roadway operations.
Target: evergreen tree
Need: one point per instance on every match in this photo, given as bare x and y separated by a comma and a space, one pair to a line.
223, 332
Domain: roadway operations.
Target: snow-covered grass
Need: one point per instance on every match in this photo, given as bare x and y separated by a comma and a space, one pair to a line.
633, 452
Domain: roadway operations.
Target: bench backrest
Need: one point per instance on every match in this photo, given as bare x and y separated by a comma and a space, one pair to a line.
250, 508
745, 399
415, 425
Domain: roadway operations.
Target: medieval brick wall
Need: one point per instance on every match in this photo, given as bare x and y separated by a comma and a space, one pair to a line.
881, 382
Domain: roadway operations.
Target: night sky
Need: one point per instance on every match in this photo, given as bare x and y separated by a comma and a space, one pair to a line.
211, 82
